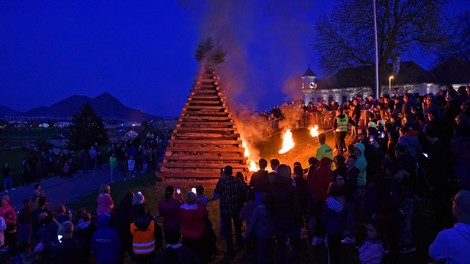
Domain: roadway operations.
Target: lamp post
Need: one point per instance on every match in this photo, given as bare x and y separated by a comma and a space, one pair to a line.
390, 85
376, 52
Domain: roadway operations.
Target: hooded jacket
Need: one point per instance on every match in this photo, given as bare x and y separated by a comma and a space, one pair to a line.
452, 244
284, 202
333, 216
371, 252
361, 164
408, 148
105, 242
142, 224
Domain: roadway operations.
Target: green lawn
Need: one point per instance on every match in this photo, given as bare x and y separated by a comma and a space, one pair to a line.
30, 132
14, 158
12, 151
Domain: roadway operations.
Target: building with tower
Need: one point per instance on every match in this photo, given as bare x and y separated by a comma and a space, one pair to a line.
407, 77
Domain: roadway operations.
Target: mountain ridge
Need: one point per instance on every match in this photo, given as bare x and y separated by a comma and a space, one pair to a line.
106, 105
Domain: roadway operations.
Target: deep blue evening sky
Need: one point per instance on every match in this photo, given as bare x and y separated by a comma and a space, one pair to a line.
142, 52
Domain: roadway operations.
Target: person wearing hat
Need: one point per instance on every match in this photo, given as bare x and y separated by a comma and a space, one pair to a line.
340, 128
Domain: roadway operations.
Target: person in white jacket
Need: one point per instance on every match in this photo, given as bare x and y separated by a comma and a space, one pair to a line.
452, 245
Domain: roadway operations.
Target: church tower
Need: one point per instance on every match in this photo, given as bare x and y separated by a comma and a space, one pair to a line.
309, 84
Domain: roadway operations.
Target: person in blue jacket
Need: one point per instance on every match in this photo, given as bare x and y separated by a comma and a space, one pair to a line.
105, 242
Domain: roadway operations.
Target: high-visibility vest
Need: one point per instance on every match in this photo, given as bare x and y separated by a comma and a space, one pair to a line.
143, 242
342, 124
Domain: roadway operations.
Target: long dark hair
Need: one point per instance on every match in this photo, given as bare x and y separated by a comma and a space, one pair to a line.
381, 236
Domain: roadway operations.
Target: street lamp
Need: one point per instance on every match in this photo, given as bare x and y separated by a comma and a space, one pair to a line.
390, 85
376, 53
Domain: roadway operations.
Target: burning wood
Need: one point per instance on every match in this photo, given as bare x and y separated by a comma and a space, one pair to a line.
287, 142
251, 163
252, 166
314, 131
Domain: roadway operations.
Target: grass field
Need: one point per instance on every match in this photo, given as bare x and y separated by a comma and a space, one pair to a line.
14, 158
30, 133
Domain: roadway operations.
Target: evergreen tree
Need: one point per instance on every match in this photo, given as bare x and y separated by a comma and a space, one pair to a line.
87, 129
210, 52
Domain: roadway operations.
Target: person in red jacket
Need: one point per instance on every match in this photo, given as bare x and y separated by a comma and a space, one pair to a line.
8, 213
317, 186
192, 225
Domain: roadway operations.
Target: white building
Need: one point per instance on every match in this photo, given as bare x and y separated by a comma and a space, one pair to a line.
411, 78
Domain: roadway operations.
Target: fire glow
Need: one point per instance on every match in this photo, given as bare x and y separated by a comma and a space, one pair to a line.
287, 142
251, 163
314, 131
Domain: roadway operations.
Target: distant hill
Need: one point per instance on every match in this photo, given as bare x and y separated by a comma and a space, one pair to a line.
6, 111
106, 105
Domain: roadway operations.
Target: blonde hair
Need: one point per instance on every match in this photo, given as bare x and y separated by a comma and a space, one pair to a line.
105, 188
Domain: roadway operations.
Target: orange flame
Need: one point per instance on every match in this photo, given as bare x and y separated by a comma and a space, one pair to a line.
287, 142
252, 166
251, 163
314, 131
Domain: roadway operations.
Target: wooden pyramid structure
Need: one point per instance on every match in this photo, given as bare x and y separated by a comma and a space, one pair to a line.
205, 138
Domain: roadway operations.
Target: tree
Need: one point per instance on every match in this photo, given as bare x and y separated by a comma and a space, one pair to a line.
456, 42
346, 36
210, 52
87, 129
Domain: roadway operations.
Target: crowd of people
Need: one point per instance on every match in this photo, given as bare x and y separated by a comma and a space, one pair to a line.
400, 151
404, 149
64, 164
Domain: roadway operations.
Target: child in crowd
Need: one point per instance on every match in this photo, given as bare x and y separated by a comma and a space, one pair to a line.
105, 201
248, 208
38, 192
262, 226
372, 251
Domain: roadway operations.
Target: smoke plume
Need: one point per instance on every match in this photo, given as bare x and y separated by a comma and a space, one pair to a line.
265, 42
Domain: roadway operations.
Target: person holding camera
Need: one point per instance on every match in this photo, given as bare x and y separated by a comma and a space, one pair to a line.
69, 250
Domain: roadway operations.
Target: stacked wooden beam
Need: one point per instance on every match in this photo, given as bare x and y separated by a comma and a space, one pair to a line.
205, 138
